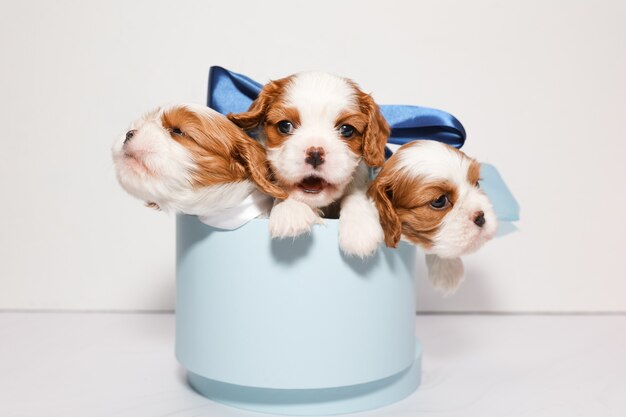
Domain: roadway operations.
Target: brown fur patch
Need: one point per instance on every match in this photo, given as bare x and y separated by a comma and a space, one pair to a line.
403, 204
377, 130
222, 152
208, 140
359, 121
473, 173
380, 192
266, 111
412, 198
277, 113
255, 116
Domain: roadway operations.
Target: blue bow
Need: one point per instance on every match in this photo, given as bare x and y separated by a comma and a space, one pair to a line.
230, 92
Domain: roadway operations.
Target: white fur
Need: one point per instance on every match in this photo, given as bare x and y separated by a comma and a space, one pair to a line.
160, 166
360, 231
458, 235
291, 218
433, 161
320, 99
446, 274
161, 170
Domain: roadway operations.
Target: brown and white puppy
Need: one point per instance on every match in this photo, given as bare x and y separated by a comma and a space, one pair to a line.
428, 195
321, 133
193, 160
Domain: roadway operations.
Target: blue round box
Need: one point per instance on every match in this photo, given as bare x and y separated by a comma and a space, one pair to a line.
293, 326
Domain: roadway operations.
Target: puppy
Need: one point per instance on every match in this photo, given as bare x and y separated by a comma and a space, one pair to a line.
428, 194
321, 133
191, 159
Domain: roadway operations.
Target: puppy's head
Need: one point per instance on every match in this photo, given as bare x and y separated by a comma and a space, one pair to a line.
428, 194
169, 153
317, 127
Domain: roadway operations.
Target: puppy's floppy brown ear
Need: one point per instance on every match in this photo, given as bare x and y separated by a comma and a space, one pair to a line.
376, 132
381, 194
255, 115
252, 157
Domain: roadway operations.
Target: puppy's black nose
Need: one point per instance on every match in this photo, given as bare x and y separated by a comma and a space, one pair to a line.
479, 219
129, 135
315, 156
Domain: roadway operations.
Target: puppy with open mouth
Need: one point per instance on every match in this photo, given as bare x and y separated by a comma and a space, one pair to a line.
428, 195
321, 133
193, 160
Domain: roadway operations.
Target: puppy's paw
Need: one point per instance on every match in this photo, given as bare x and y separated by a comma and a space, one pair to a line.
360, 235
291, 218
446, 274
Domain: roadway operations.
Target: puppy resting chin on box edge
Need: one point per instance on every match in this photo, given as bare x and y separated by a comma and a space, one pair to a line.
427, 194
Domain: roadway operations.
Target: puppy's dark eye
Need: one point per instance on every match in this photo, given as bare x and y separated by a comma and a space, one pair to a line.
346, 131
129, 135
285, 127
177, 131
440, 202
477, 184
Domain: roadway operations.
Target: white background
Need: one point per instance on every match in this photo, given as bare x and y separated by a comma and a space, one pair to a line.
539, 85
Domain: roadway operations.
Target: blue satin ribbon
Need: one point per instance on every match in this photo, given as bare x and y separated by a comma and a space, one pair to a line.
230, 92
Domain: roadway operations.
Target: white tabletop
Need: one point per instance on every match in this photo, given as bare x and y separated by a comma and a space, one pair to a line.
123, 365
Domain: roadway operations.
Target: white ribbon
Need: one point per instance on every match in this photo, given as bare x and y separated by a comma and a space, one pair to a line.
253, 206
